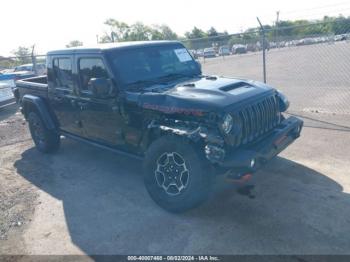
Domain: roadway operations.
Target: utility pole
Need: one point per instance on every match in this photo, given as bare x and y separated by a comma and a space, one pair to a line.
34, 61
277, 20
264, 48
112, 36
97, 39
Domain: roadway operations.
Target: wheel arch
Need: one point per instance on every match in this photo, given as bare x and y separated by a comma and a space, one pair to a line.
33, 103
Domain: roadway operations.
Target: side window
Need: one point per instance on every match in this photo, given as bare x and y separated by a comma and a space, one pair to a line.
62, 73
91, 68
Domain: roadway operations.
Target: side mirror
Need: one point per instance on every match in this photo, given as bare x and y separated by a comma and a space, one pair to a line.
101, 87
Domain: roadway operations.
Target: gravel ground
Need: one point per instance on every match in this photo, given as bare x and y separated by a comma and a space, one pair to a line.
84, 200
17, 196
13, 126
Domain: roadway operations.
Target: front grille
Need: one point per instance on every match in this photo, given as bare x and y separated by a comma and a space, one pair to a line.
257, 119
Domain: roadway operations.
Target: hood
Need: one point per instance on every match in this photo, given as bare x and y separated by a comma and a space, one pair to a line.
202, 94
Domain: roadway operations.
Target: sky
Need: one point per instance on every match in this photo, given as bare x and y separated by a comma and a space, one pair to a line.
52, 24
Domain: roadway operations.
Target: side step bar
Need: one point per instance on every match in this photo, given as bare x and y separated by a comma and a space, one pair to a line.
114, 150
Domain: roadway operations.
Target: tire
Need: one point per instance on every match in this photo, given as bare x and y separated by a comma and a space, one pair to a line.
16, 95
176, 175
45, 140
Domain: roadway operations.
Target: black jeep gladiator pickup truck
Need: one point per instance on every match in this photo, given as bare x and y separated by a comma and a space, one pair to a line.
149, 100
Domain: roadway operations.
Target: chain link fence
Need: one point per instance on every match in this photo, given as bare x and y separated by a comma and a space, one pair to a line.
309, 63
13, 68
9, 64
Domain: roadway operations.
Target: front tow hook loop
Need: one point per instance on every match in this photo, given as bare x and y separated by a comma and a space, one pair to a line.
238, 177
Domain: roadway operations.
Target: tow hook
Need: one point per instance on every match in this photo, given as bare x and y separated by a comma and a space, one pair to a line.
232, 176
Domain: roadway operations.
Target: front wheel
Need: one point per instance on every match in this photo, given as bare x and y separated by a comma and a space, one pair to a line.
176, 176
46, 141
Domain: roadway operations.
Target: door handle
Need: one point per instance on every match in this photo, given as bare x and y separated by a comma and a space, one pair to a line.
82, 105
58, 98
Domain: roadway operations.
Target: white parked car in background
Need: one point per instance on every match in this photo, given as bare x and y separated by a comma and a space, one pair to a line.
6, 95
209, 52
224, 50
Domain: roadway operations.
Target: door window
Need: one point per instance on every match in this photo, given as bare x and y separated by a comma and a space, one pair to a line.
91, 68
62, 73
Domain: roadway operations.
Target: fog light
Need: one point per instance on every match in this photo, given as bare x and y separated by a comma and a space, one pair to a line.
214, 153
252, 163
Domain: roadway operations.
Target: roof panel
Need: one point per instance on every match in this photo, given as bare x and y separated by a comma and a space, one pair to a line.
101, 47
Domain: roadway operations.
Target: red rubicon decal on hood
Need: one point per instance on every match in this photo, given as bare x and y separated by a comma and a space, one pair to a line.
173, 110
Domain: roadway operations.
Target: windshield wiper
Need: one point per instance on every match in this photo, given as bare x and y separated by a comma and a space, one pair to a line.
142, 82
176, 75
158, 80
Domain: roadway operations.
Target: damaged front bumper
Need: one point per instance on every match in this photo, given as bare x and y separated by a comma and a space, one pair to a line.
251, 158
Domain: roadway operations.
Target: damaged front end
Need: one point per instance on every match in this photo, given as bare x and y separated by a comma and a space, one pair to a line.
195, 120
258, 133
206, 137
240, 127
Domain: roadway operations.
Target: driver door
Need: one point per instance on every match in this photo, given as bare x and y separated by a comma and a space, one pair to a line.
100, 117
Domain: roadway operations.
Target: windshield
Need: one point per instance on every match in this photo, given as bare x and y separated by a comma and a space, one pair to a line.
152, 63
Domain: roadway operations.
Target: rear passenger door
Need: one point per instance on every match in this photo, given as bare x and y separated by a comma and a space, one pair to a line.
99, 116
63, 95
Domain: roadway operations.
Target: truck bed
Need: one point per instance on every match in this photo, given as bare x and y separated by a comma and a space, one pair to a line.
33, 86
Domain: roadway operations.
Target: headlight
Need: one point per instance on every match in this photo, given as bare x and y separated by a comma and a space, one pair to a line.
284, 103
227, 123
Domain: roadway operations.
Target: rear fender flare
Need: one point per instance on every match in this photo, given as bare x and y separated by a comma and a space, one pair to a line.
29, 102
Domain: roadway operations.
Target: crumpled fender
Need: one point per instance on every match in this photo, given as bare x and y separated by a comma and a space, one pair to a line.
193, 133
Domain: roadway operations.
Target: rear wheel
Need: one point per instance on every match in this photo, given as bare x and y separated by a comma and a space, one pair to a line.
176, 176
46, 141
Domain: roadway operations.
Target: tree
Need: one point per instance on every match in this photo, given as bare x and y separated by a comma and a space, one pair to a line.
119, 30
74, 43
140, 32
23, 54
195, 33
212, 32
163, 32
105, 38
197, 38
6, 62
341, 25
